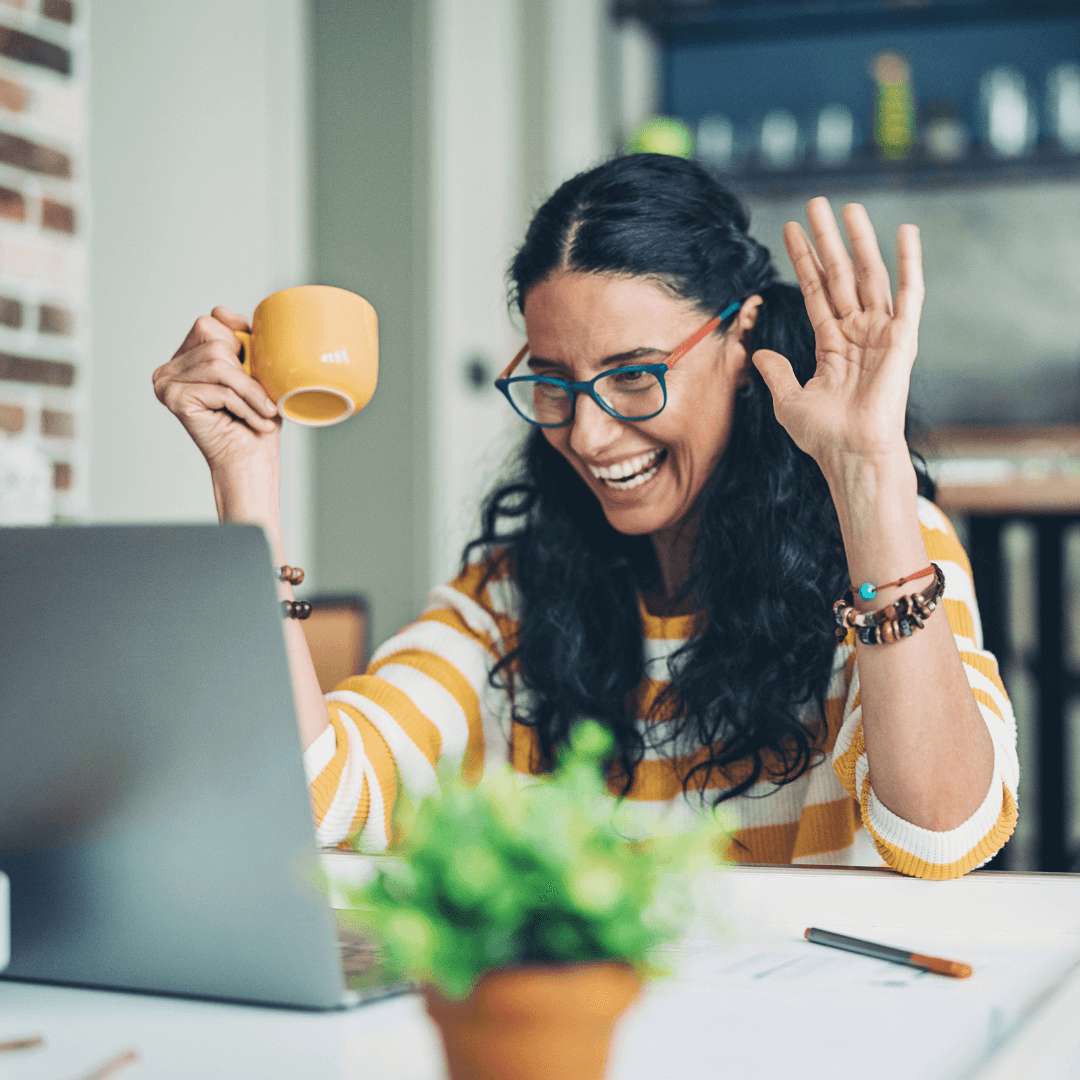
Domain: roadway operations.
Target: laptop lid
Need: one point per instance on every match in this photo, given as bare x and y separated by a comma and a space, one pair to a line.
154, 818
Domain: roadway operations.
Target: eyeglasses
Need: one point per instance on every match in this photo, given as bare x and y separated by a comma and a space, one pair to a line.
635, 392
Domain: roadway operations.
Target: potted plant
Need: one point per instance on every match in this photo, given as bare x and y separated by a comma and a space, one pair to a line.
527, 917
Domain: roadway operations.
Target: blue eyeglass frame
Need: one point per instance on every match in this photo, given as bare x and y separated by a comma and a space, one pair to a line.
574, 388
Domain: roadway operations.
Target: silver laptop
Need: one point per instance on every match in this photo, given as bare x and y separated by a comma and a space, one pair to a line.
154, 819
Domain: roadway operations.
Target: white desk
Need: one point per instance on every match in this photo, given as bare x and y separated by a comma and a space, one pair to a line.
709, 1022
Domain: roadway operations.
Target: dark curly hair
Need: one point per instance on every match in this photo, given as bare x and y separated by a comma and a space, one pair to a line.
768, 558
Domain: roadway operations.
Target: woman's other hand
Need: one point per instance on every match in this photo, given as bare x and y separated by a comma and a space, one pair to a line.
224, 410
853, 408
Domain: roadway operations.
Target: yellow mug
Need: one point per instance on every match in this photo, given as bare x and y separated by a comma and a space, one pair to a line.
315, 350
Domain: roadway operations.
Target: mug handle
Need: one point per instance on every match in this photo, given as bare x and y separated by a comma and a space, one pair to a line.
244, 337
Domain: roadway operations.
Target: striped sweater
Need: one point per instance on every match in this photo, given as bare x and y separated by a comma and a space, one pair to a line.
425, 702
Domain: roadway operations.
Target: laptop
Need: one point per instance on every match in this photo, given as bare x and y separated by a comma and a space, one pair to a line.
154, 817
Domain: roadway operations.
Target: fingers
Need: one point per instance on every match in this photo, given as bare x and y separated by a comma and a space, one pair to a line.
184, 399
213, 364
229, 318
839, 271
779, 377
212, 328
909, 275
811, 276
873, 279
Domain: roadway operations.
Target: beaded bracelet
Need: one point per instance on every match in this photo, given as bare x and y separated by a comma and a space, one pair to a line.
893, 622
295, 609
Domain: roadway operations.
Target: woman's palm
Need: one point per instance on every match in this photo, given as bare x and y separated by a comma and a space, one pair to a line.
856, 400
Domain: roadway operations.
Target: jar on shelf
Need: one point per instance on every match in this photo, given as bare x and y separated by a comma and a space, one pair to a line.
778, 142
716, 141
835, 135
1010, 125
1063, 106
944, 137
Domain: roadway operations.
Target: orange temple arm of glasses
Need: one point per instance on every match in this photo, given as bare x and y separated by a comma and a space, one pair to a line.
672, 359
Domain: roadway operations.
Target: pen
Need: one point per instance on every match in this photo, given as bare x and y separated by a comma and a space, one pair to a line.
885, 952
26, 1042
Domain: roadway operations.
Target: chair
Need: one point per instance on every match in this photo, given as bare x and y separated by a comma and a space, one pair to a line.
337, 632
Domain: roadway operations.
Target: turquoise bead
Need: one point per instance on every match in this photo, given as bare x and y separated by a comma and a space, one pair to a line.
867, 591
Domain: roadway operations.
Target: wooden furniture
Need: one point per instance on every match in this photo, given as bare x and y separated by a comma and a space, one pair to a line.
338, 634
1030, 474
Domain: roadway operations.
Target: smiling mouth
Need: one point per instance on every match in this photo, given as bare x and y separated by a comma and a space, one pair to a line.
631, 473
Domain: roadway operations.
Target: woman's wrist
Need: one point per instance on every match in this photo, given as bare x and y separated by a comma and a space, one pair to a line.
248, 494
877, 506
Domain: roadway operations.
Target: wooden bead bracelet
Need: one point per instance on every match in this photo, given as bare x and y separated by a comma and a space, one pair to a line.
893, 622
293, 609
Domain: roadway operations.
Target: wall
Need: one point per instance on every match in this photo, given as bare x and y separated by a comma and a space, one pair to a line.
198, 178
1000, 338
369, 214
44, 219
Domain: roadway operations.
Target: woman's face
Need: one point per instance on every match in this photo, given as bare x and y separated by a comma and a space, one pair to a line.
647, 474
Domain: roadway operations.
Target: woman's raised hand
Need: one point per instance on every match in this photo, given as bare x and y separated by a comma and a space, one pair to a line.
854, 406
224, 410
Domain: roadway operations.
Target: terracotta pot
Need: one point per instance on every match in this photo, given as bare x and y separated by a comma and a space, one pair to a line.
535, 1023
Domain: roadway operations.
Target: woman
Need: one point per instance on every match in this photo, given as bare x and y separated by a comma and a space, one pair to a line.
713, 458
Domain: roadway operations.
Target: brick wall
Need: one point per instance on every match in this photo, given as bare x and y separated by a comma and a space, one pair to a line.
44, 214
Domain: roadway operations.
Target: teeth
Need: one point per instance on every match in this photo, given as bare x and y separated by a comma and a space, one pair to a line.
626, 468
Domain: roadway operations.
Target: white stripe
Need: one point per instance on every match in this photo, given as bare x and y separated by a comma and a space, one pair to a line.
658, 653
320, 753
417, 775
977, 680
463, 652
932, 517
436, 703
938, 848
958, 586
840, 857
447, 598
373, 838
339, 816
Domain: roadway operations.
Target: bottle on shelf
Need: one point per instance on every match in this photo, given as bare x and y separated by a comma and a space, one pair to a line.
1010, 123
894, 105
1063, 106
835, 135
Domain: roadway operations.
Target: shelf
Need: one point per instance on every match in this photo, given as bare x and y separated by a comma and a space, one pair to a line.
872, 175
680, 21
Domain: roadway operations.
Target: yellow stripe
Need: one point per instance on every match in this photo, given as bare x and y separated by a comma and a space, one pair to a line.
462, 691
945, 546
360, 817
454, 620
844, 765
959, 616
987, 665
476, 581
764, 844
420, 730
987, 700
993, 841
825, 827
324, 787
378, 754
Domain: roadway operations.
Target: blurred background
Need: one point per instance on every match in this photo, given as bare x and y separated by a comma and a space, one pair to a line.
158, 158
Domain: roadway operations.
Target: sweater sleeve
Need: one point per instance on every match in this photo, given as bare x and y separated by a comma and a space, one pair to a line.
424, 704
906, 847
